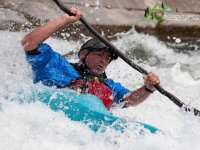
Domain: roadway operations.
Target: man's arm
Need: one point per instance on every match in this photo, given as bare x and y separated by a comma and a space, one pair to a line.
39, 35
136, 97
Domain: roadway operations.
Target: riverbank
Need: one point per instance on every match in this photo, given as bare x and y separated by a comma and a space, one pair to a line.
107, 17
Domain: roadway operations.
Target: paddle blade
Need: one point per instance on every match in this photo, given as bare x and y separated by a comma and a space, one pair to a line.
192, 110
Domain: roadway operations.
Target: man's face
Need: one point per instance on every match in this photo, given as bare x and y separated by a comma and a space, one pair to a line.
97, 61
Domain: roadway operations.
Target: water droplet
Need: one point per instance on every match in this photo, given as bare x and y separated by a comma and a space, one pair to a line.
87, 5
97, 19
97, 3
178, 40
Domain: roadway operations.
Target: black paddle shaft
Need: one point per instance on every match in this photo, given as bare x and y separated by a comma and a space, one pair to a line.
127, 60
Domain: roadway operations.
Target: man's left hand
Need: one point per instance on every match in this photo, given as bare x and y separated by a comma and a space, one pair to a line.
151, 80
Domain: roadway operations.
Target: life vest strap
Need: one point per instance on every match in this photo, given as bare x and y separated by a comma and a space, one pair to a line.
96, 85
86, 75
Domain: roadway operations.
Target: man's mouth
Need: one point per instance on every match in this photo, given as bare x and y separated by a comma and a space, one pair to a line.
100, 67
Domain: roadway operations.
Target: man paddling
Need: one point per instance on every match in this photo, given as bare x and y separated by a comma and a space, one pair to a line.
87, 76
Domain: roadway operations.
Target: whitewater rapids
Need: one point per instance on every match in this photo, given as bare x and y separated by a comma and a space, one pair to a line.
35, 127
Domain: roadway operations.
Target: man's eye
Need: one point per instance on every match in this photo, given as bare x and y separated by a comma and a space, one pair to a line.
108, 58
98, 54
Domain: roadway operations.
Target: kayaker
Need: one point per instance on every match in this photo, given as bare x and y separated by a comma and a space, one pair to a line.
86, 76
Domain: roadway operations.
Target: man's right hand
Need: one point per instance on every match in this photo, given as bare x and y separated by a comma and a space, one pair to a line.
40, 34
72, 19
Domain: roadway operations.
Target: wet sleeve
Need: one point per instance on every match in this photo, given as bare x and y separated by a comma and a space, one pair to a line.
118, 90
50, 68
40, 57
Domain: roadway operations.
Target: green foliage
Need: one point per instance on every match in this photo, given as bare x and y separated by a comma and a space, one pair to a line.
158, 11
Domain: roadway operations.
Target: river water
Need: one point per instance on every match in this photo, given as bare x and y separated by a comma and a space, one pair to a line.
34, 126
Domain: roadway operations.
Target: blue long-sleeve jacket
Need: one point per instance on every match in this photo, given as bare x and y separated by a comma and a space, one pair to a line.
50, 68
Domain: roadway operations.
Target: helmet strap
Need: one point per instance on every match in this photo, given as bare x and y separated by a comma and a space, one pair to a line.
84, 58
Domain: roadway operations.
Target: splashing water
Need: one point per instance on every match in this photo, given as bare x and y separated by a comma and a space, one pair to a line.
35, 126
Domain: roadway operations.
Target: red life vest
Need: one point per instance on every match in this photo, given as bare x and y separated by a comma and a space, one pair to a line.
95, 87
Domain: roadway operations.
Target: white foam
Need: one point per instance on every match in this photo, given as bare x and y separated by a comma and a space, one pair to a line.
35, 126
